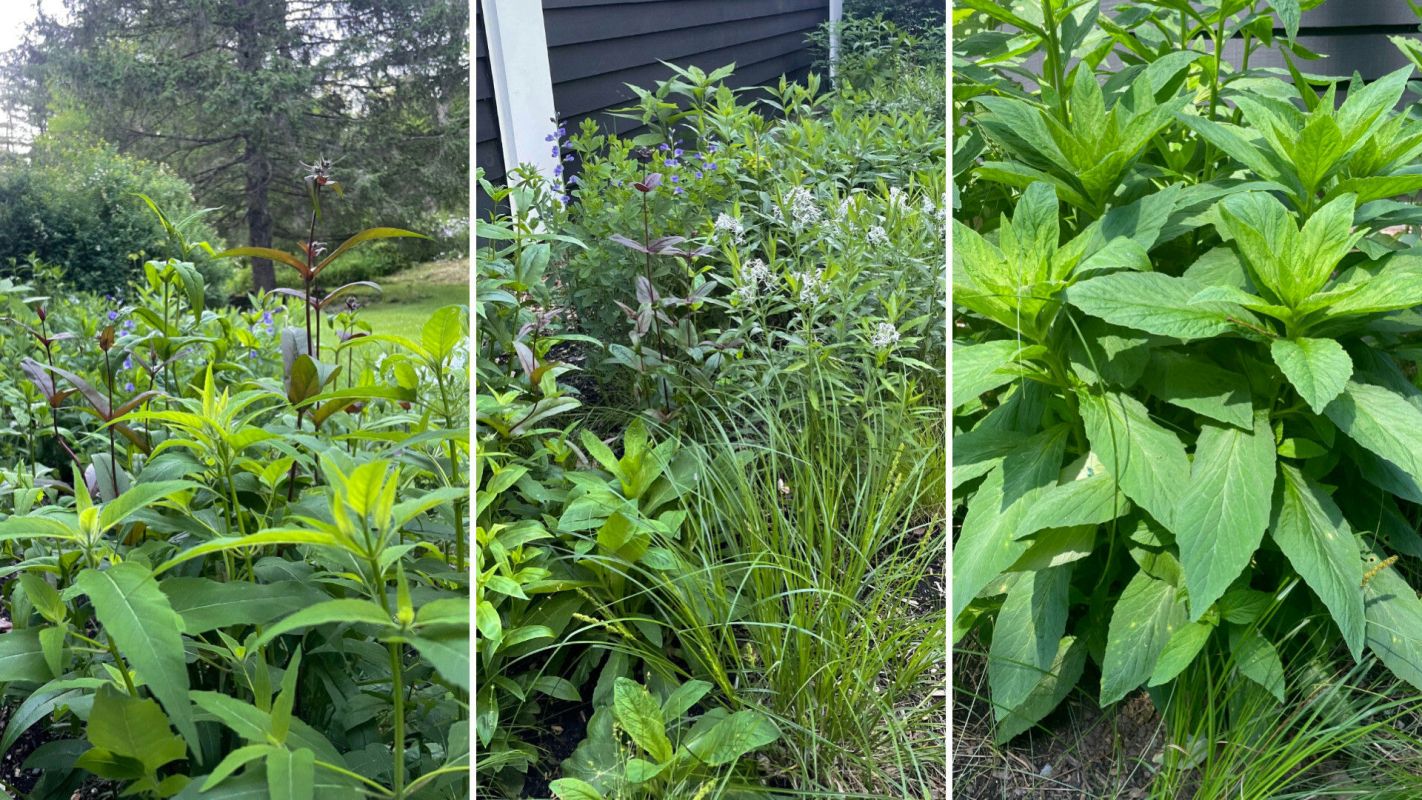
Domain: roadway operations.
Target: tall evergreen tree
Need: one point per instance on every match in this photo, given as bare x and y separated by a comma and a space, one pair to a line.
236, 94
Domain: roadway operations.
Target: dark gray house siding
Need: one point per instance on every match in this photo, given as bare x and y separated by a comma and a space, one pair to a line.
596, 47
487, 151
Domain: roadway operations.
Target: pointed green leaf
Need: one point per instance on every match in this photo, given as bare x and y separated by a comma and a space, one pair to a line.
1383, 422
133, 728
291, 775
729, 738
1146, 616
1311, 531
1224, 510
1026, 636
1317, 368
1065, 671
1147, 460
1151, 302
1394, 613
641, 716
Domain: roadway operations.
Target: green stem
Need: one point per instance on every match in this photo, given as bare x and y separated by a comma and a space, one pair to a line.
397, 691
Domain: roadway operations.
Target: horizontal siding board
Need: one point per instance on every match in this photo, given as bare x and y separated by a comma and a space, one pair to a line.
583, 60
486, 122
1332, 14
610, 90
575, 25
1370, 55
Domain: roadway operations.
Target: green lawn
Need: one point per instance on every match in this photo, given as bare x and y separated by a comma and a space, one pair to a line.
410, 297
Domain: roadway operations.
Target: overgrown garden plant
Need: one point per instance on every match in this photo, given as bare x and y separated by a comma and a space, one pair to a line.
1184, 364
244, 575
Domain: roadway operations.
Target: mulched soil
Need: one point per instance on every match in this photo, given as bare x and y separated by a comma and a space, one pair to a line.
565, 728
1085, 752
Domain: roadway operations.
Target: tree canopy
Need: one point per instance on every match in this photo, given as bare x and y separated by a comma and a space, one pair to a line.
235, 95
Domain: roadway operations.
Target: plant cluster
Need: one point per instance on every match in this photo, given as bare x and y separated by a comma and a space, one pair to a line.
1186, 413
234, 561
710, 467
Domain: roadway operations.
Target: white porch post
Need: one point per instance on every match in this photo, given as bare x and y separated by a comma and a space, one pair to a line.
836, 15
523, 84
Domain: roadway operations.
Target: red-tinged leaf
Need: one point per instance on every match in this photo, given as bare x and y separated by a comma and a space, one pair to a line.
526, 359
290, 259
646, 293
367, 235
97, 400
129, 434
57, 399
135, 402
296, 293
661, 244
628, 243
42, 381
340, 291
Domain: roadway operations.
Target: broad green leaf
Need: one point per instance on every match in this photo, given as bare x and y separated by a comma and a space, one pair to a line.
1026, 636
134, 728
977, 368
574, 789
260, 539
21, 657
1258, 660
1147, 460
1151, 302
330, 612
639, 714
443, 332
253, 725
1224, 510
291, 775
139, 497
1397, 285
683, 698
1179, 651
234, 761
448, 653
1196, 384
1065, 671
1311, 531
987, 544
206, 604
1383, 422
1394, 613
1318, 368
1091, 499
136, 616
729, 738
1147, 614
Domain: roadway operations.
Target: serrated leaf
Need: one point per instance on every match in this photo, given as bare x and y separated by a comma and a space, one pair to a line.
1048, 694
1179, 651
1317, 368
1394, 614
1026, 635
1147, 460
977, 368
1150, 302
1198, 385
133, 728
1147, 614
1224, 510
1311, 531
1382, 422
136, 616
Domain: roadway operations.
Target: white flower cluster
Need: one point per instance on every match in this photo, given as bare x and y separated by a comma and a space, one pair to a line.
885, 335
728, 225
803, 211
878, 237
754, 274
812, 286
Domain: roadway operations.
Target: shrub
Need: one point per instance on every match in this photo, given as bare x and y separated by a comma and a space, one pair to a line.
76, 204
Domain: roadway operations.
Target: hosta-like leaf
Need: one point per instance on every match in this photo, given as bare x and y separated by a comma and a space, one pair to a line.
1311, 531
729, 738
1147, 460
1148, 613
1026, 635
1225, 508
1318, 368
1151, 302
137, 617
641, 717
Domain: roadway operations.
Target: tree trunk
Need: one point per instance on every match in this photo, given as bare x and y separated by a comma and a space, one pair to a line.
254, 156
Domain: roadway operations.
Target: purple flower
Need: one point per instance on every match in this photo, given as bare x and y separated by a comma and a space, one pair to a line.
676, 179
270, 330
128, 387
671, 162
113, 315
678, 190
554, 151
267, 317
712, 147
568, 158
710, 164
562, 131
558, 170
128, 362
677, 152
567, 198
663, 147
550, 137
700, 174
129, 324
